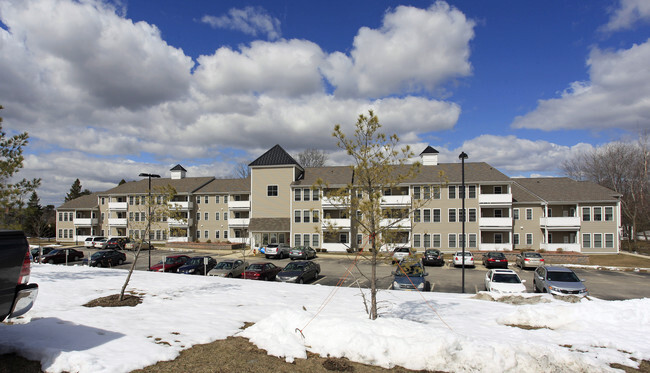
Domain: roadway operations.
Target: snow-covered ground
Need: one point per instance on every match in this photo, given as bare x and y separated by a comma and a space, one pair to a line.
435, 331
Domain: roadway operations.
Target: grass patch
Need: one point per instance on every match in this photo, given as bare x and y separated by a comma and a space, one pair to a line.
619, 260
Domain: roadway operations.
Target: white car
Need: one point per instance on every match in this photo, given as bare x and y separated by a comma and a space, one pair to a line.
458, 259
90, 241
99, 243
504, 281
277, 251
400, 253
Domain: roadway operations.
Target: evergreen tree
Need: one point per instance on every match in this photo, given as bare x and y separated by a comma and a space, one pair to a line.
75, 191
122, 182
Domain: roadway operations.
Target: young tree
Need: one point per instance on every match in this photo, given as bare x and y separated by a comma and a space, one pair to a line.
11, 161
312, 158
75, 191
32, 214
378, 165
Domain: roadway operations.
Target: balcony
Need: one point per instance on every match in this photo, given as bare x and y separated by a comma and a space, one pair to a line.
85, 222
336, 223
180, 205
178, 239
117, 206
563, 246
239, 205
117, 222
335, 202
335, 247
495, 200
179, 222
494, 247
495, 223
558, 223
395, 201
239, 222
395, 223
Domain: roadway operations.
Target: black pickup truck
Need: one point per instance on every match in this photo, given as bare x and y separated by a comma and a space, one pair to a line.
16, 294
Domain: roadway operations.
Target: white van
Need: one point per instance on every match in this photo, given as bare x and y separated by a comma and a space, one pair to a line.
90, 241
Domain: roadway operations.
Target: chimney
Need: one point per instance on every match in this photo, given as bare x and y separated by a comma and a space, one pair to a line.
178, 172
429, 156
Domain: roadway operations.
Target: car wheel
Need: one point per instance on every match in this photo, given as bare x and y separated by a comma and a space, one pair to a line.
427, 286
120, 262
51, 261
229, 275
301, 281
268, 257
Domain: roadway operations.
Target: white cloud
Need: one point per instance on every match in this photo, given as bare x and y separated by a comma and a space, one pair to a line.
415, 50
250, 20
628, 14
616, 96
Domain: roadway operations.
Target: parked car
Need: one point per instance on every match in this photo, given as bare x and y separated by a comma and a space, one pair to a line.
299, 272
197, 265
302, 252
229, 268
37, 252
59, 256
261, 271
411, 277
89, 242
400, 253
504, 281
277, 250
134, 244
433, 257
18, 295
115, 243
106, 258
468, 260
495, 259
559, 281
529, 259
98, 244
171, 264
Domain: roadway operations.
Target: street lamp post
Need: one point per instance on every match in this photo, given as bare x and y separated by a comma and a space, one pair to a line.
463, 157
149, 176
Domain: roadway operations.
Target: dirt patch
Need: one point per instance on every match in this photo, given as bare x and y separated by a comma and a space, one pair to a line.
130, 300
644, 367
526, 327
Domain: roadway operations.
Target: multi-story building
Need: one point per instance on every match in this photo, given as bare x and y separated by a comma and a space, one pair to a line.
280, 203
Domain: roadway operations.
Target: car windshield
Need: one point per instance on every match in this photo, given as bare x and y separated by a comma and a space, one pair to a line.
224, 265
532, 255
195, 261
294, 267
255, 267
432, 252
497, 255
562, 276
298, 249
97, 255
171, 260
507, 278
55, 251
414, 270
460, 253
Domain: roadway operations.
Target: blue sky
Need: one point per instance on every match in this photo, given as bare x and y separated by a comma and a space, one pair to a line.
107, 90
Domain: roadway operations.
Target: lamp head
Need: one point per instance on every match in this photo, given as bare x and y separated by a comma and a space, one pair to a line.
462, 155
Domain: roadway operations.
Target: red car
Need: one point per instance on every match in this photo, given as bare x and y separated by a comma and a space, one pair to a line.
172, 263
59, 256
261, 271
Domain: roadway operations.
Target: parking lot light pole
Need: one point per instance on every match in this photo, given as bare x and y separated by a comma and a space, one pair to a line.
463, 157
149, 176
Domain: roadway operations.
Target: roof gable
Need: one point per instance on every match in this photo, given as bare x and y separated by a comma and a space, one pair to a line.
275, 156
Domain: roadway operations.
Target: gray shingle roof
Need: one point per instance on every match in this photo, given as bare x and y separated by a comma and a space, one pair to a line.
269, 225
335, 176
564, 189
86, 202
275, 156
182, 186
521, 195
226, 185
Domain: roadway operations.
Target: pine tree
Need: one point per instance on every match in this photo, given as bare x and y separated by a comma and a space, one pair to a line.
75, 191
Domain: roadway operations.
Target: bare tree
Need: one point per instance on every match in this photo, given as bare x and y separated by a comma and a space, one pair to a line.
312, 158
242, 170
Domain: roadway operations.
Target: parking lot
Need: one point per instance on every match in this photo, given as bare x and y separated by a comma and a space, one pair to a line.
609, 285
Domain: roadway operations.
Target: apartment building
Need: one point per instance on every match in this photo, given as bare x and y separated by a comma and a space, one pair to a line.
278, 203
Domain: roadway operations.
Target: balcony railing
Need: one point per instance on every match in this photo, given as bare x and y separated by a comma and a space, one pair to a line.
566, 222
396, 223
396, 200
117, 222
336, 223
495, 199
120, 206
239, 222
180, 205
335, 202
177, 239
498, 223
239, 205
335, 247
179, 222
562, 246
85, 221
494, 247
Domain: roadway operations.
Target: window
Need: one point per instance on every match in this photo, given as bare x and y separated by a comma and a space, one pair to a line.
515, 239
225, 216
343, 238
315, 240
102, 218
498, 238
427, 192
436, 215
216, 234
359, 239
416, 240
225, 235
461, 191
205, 217
216, 199
130, 200
216, 216
586, 214
452, 192
305, 239
427, 216
416, 194
305, 193
472, 191
198, 216
598, 240
315, 195
205, 200
305, 216
296, 216
271, 191
206, 234
137, 216
416, 216
472, 240
225, 198
296, 194
498, 213
452, 240
427, 241
515, 214
529, 238
131, 216
472, 214
452, 215
60, 233
296, 239
436, 192
60, 216
103, 200
315, 216
609, 240
497, 189
461, 215
198, 200
598, 215
586, 240
436, 240
529, 214
198, 233
609, 213
461, 240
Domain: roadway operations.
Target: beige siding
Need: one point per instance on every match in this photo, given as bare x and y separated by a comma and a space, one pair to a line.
263, 206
